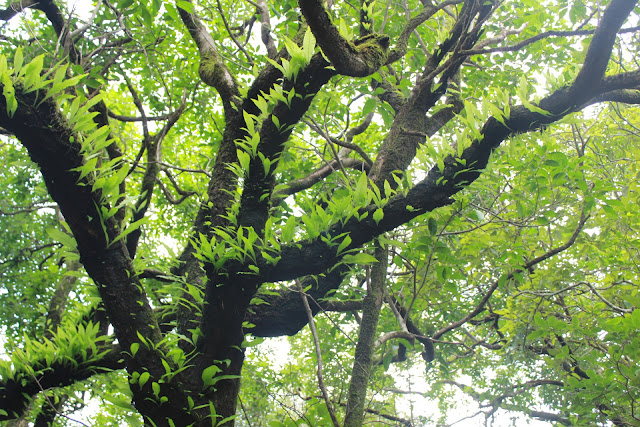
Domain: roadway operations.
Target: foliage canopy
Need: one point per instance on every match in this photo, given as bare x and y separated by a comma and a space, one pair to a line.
431, 199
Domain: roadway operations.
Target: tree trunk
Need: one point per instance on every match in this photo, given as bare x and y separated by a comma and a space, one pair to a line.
362, 364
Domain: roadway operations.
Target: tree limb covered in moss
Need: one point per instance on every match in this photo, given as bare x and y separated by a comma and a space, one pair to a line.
213, 71
357, 59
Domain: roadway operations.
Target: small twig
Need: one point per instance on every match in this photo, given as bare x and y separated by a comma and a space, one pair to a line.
537, 37
494, 285
80, 31
235, 41
604, 300
244, 412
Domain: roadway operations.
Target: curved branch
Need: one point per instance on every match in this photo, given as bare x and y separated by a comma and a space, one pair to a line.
625, 96
538, 37
52, 145
233, 37
601, 46
425, 14
275, 131
283, 314
122, 118
359, 59
15, 8
345, 144
213, 71
55, 16
265, 31
316, 343
154, 156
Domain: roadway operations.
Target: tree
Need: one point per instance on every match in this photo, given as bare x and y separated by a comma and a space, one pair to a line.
201, 189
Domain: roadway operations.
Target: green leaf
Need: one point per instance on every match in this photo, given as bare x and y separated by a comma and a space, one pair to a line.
134, 349
360, 192
433, 226
156, 388
208, 375
32, 77
18, 60
144, 377
369, 106
378, 215
343, 245
288, 231
134, 226
308, 45
361, 258
62, 237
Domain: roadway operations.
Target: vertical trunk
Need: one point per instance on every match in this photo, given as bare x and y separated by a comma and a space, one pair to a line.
362, 363
221, 343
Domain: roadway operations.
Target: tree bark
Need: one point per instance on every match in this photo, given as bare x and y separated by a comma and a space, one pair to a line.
363, 359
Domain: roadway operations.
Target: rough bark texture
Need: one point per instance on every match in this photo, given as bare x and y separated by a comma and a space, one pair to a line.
363, 360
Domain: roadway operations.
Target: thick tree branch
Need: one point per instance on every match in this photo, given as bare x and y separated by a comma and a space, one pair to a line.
625, 96
17, 390
363, 358
213, 71
15, 8
52, 146
283, 314
275, 131
411, 127
265, 31
359, 59
599, 52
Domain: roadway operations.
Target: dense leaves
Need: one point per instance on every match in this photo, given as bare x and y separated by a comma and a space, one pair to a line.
436, 203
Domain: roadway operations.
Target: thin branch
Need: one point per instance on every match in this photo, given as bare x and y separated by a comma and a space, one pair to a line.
316, 343
233, 38
538, 37
425, 14
80, 31
316, 176
485, 299
346, 144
